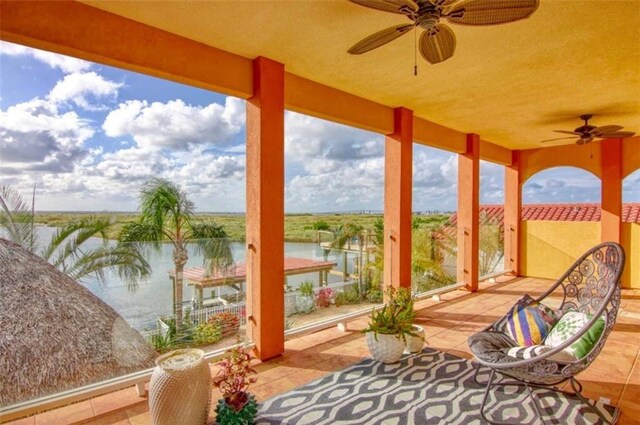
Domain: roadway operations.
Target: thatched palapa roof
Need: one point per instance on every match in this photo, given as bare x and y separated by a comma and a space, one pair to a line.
55, 334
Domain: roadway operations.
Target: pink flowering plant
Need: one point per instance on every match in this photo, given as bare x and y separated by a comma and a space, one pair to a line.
323, 299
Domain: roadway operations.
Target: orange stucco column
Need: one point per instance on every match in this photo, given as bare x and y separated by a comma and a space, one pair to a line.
610, 221
469, 213
265, 209
398, 187
512, 214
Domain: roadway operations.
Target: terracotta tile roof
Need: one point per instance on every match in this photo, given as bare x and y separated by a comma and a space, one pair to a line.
557, 212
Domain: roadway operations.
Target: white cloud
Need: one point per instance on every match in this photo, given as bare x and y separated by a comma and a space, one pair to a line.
175, 124
561, 185
84, 90
65, 63
35, 136
310, 141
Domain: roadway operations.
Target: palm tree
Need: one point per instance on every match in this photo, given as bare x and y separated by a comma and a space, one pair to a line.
429, 249
70, 249
491, 245
166, 214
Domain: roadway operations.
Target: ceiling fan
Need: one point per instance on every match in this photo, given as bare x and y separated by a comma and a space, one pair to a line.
438, 42
587, 133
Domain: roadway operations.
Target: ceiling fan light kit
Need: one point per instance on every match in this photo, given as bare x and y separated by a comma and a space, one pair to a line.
438, 41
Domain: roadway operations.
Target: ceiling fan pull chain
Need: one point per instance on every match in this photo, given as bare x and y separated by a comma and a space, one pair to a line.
415, 51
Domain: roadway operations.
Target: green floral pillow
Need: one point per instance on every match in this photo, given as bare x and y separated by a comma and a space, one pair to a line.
569, 325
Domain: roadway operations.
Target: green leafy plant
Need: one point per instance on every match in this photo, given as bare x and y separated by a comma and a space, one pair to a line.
374, 295
320, 225
237, 406
162, 343
306, 289
352, 296
396, 317
207, 333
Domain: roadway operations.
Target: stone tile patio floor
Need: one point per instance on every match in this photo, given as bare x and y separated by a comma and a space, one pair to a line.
448, 322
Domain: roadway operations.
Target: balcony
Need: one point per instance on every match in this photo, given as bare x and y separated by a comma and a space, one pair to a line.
448, 322
497, 113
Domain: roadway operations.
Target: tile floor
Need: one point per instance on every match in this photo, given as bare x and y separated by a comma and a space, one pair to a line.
448, 323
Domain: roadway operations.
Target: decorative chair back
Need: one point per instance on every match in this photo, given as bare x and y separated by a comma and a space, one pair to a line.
592, 286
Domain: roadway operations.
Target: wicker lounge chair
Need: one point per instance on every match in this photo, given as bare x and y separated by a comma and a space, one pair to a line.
591, 286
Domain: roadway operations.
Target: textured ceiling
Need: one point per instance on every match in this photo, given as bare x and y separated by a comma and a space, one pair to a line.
512, 84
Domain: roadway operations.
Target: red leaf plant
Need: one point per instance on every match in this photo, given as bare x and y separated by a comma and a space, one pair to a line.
236, 377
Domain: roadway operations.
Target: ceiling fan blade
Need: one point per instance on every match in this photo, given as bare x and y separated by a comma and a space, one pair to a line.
606, 129
616, 135
379, 38
490, 12
567, 132
437, 44
393, 6
557, 138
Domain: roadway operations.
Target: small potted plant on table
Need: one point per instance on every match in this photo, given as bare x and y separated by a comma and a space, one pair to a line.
237, 406
389, 327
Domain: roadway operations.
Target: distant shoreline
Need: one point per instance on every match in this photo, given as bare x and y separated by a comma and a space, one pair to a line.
299, 227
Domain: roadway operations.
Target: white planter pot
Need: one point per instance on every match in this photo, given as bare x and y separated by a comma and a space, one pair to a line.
180, 389
305, 304
385, 348
415, 344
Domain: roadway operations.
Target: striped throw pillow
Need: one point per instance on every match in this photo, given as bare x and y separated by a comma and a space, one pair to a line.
528, 322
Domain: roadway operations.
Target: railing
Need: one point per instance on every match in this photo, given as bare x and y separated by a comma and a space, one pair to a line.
200, 316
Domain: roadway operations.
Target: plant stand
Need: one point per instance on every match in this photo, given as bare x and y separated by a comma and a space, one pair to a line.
180, 388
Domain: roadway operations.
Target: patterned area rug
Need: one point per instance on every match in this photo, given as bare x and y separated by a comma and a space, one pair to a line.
427, 388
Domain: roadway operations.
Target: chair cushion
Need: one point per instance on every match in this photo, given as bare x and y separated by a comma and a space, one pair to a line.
570, 324
491, 346
528, 322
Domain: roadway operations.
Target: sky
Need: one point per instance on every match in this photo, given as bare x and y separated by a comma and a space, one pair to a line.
88, 136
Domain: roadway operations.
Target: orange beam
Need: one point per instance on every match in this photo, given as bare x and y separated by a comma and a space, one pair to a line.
469, 213
82, 31
438, 136
89, 33
611, 218
315, 99
398, 187
265, 209
512, 214
494, 153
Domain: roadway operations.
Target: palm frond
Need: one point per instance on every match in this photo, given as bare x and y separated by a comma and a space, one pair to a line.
66, 242
164, 204
16, 218
211, 240
127, 261
142, 234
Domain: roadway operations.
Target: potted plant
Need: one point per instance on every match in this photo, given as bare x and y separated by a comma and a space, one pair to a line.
237, 406
323, 299
389, 326
306, 300
415, 340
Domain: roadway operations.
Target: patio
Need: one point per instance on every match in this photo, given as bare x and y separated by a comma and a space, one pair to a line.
614, 375
484, 104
